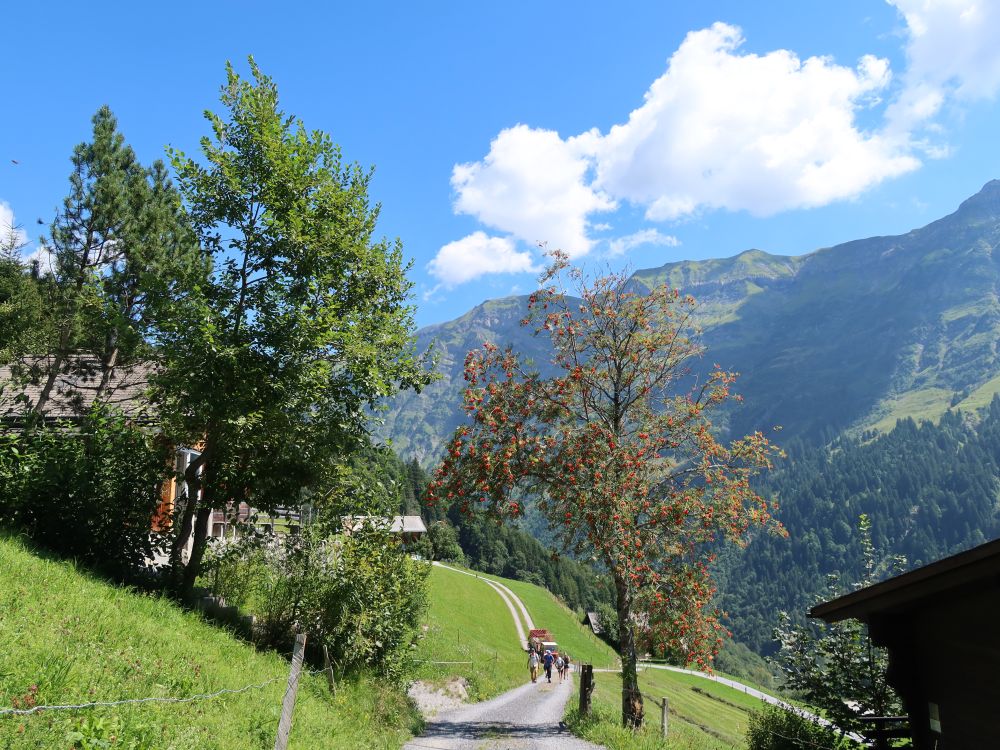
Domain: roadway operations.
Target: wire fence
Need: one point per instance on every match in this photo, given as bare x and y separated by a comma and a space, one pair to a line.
152, 699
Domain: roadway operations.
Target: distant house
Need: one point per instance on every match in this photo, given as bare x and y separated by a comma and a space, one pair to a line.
593, 620
941, 625
410, 528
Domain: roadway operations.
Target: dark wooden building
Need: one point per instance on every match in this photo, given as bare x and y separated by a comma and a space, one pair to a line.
941, 625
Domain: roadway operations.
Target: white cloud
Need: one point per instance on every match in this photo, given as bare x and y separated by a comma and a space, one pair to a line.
952, 54
726, 129
476, 255
622, 245
45, 257
8, 224
758, 133
533, 184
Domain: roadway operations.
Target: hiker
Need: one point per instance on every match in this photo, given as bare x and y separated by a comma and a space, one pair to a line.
567, 668
533, 664
561, 667
547, 661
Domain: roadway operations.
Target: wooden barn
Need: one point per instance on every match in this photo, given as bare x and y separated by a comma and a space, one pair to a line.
941, 625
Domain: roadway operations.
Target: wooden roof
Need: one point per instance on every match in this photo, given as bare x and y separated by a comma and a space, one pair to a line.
912, 590
75, 388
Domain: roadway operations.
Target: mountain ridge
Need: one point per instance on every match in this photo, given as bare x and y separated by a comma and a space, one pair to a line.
837, 339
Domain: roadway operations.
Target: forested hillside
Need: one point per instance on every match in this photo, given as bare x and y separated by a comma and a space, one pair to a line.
844, 338
929, 489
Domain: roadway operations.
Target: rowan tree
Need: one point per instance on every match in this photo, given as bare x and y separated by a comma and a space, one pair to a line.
617, 451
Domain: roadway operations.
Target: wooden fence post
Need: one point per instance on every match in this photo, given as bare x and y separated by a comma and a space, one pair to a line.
288, 704
586, 687
328, 668
664, 709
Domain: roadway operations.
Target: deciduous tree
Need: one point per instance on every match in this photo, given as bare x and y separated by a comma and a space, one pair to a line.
618, 452
303, 324
837, 667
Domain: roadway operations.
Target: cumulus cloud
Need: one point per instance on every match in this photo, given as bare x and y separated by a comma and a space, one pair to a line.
758, 133
476, 255
726, 129
951, 53
10, 233
534, 185
622, 245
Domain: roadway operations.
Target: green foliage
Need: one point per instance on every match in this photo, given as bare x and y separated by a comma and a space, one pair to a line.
776, 728
22, 307
302, 325
836, 666
361, 595
79, 639
929, 490
122, 255
444, 542
609, 624
100, 733
88, 492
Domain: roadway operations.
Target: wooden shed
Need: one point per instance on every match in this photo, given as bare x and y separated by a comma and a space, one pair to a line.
941, 625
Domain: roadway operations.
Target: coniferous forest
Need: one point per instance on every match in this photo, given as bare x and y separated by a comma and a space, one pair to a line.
929, 489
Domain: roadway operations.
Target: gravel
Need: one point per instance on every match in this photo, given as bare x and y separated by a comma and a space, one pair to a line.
525, 718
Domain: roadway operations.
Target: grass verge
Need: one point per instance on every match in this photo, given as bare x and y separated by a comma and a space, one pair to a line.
66, 637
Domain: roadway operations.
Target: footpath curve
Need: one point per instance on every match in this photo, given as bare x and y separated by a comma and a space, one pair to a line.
509, 598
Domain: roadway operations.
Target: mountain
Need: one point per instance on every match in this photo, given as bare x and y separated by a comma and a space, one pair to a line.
841, 339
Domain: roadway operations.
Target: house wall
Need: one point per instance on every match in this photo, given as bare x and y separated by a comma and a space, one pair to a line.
947, 653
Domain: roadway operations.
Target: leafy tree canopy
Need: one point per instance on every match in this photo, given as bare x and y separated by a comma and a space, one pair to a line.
302, 324
617, 451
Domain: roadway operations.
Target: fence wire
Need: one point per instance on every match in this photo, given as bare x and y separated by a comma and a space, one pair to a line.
156, 699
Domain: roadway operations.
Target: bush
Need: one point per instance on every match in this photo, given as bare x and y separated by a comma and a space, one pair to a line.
360, 595
776, 728
86, 491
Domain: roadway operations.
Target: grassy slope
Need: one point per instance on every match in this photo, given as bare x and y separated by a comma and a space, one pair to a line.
704, 715
79, 639
548, 612
467, 621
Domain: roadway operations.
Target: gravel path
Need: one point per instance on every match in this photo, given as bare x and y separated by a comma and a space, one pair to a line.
525, 718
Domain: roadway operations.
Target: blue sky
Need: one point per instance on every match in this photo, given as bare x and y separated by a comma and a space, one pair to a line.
629, 134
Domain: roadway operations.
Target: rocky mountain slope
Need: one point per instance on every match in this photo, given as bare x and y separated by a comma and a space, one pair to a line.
842, 338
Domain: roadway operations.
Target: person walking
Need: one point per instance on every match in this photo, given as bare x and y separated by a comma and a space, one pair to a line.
547, 661
533, 664
561, 667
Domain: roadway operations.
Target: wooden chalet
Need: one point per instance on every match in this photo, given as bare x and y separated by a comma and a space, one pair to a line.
940, 626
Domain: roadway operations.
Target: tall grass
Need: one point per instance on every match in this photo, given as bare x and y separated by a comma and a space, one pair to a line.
66, 637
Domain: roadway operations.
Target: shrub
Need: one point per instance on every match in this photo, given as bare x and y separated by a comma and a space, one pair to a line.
360, 595
87, 491
776, 728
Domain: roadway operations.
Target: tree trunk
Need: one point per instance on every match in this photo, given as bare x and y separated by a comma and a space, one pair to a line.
50, 381
632, 709
192, 501
193, 568
108, 364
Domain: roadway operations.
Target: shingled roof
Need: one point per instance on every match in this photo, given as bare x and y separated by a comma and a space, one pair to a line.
75, 388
